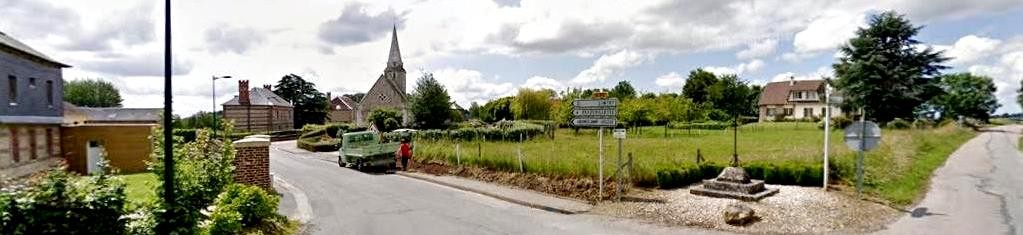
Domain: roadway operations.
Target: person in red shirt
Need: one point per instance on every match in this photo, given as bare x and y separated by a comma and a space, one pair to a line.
404, 153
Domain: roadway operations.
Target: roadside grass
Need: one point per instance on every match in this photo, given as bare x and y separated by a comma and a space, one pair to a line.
897, 171
140, 188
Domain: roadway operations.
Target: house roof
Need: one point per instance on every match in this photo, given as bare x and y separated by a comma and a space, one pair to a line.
10, 42
342, 103
777, 93
261, 96
74, 115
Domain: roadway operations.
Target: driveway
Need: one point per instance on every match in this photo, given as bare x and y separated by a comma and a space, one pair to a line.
979, 190
337, 200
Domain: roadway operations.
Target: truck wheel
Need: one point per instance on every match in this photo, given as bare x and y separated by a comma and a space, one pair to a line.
339, 162
358, 165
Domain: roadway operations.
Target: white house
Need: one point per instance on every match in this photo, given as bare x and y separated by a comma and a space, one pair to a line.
794, 99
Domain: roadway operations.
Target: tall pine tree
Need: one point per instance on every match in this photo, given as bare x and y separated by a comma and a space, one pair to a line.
885, 71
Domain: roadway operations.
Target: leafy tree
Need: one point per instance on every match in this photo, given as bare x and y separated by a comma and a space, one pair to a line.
532, 104
623, 91
310, 104
669, 108
385, 119
967, 95
198, 120
1019, 94
92, 93
499, 109
430, 103
636, 112
731, 95
884, 71
475, 110
357, 97
697, 85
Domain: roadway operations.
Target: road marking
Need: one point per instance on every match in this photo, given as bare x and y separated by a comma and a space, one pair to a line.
304, 211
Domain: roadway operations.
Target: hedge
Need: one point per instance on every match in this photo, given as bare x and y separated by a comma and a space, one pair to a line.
508, 131
782, 174
319, 146
711, 125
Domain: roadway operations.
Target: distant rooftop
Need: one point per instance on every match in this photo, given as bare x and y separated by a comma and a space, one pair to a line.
74, 115
262, 96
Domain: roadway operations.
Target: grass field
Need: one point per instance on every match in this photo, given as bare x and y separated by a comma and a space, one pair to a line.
140, 188
897, 171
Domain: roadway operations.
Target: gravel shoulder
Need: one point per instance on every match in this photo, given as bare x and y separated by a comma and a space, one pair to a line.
794, 209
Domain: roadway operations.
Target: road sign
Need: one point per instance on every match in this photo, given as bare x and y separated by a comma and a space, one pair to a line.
619, 133
595, 112
594, 122
862, 135
595, 103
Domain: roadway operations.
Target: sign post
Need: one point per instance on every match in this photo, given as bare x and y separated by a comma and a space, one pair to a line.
862, 136
598, 113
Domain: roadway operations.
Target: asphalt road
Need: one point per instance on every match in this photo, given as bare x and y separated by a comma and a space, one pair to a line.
344, 201
979, 190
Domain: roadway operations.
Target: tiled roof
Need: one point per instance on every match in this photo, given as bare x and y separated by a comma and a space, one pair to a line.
777, 93
262, 96
83, 115
342, 103
8, 41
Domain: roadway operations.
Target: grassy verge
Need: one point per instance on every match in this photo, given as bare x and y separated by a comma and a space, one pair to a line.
905, 158
140, 188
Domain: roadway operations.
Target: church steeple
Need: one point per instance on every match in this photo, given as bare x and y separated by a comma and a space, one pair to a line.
394, 58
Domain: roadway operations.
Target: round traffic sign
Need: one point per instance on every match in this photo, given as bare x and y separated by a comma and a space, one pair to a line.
862, 136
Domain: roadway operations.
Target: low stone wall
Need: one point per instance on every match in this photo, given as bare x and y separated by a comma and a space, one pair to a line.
252, 162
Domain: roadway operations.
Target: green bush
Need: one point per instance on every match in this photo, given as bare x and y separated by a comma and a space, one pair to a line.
923, 124
253, 203
782, 174
224, 222
202, 169
840, 122
61, 203
313, 145
898, 123
187, 134
711, 125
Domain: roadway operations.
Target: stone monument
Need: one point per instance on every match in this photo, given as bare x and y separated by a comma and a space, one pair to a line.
733, 182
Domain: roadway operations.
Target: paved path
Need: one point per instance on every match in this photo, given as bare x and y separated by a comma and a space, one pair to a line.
345, 201
979, 190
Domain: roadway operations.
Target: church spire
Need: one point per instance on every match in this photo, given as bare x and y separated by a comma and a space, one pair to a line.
394, 58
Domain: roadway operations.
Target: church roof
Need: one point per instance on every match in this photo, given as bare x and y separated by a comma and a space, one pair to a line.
394, 57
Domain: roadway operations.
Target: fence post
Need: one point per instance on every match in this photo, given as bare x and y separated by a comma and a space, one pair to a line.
521, 169
458, 155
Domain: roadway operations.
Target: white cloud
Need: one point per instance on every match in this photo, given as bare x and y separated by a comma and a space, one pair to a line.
609, 65
466, 86
825, 32
969, 48
821, 72
758, 49
540, 82
740, 69
671, 80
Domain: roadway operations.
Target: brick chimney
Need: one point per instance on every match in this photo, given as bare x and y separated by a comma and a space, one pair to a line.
243, 92
328, 96
792, 80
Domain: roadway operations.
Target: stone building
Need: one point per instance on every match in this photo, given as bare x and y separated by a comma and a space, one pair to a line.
31, 109
259, 110
342, 109
389, 89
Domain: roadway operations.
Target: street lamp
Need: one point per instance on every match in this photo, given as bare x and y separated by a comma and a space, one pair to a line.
213, 82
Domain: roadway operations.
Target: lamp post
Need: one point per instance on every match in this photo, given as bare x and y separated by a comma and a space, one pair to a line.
213, 83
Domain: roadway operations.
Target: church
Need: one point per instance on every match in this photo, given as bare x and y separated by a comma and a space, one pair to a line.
389, 89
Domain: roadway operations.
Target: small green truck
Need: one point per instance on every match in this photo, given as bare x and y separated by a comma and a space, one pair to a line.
364, 149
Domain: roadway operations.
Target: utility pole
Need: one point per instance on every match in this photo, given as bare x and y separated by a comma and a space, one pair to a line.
168, 140
827, 131
213, 82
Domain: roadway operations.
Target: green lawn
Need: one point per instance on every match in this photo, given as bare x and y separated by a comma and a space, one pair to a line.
897, 171
140, 188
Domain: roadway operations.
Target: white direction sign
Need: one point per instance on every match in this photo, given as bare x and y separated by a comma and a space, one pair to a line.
862, 136
619, 133
595, 113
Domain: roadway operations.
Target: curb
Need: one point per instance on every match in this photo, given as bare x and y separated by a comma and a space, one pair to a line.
493, 195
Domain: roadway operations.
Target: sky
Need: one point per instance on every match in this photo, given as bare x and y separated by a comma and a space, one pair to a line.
481, 50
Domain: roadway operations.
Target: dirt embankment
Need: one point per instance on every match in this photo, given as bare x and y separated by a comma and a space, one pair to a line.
585, 189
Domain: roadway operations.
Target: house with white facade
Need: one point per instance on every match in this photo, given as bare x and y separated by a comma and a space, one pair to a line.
794, 99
